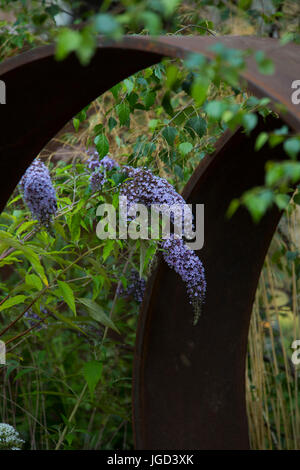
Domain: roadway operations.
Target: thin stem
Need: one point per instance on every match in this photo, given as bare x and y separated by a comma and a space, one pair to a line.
62, 437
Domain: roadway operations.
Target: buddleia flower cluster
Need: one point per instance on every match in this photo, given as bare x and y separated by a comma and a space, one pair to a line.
9, 438
34, 320
136, 286
39, 193
145, 188
97, 180
99, 169
187, 264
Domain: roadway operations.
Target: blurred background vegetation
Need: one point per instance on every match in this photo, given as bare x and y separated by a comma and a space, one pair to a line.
67, 384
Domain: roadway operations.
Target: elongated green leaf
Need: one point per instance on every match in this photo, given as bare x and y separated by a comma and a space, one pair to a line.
66, 320
97, 313
92, 372
16, 300
25, 226
68, 295
33, 280
35, 262
108, 247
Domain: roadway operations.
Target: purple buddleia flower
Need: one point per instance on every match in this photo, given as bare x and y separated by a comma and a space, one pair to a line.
145, 188
33, 319
39, 193
93, 164
97, 180
186, 263
108, 163
99, 169
136, 286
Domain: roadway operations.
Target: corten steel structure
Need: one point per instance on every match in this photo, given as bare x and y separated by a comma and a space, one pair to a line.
189, 381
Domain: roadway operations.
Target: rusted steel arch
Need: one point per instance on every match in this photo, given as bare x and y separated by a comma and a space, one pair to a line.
189, 389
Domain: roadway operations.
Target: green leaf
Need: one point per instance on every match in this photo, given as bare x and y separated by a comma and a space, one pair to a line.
68, 295
185, 148
68, 41
169, 133
149, 99
107, 25
76, 123
8, 240
196, 125
245, 4
275, 140
74, 226
153, 124
215, 109
151, 21
265, 65
35, 262
92, 372
194, 60
87, 45
25, 227
129, 85
166, 103
233, 207
258, 202
111, 123
199, 90
261, 140
66, 320
292, 147
171, 75
102, 145
123, 112
116, 90
16, 300
33, 280
108, 247
274, 173
282, 201
97, 313
170, 6
249, 121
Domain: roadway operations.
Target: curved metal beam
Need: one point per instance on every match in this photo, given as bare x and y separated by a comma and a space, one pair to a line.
189, 381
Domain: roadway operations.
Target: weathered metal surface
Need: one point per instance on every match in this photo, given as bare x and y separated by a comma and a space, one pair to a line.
191, 378
189, 389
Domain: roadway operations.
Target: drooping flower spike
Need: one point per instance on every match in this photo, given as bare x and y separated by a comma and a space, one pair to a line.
39, 193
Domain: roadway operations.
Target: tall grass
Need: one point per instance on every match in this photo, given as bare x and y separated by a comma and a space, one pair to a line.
272, 380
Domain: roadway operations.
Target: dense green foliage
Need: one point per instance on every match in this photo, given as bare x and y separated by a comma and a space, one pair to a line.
67, 383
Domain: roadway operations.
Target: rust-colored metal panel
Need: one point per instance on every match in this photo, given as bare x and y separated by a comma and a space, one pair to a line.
189, 389
191, 378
